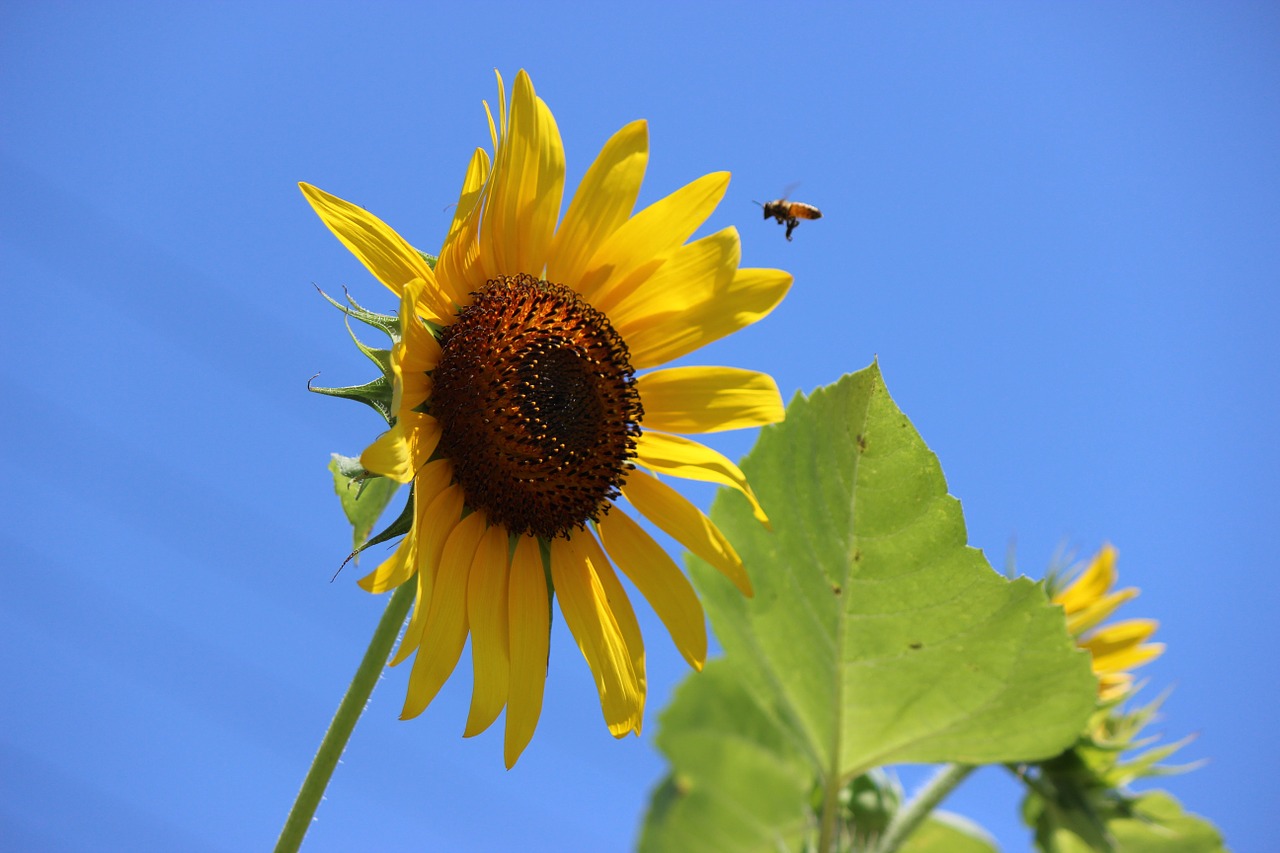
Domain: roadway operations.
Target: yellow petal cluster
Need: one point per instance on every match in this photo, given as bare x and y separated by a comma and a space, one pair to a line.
1118, 648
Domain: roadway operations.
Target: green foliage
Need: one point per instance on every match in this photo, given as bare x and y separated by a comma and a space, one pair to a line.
1078, 800
378, 393
1153, 822
1159, 825
876, 636
363, 496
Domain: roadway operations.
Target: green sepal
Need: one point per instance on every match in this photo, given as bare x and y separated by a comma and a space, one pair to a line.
380, 357
1065, 796
430, 259
379, 393
1077, 800
376, 394
1158, 824
399, 527
1149, 822
388, 323
1115, 731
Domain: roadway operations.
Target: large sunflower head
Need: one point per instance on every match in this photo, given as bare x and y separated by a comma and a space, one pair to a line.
526, 404
1115, 649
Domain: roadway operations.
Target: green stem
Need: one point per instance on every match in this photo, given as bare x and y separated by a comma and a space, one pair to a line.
344, 720
910, 816
830, 808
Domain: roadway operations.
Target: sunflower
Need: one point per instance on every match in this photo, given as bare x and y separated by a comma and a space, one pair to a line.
1117, 648
518, 414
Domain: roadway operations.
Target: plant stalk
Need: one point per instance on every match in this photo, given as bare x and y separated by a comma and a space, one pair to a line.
345, 718
921, 805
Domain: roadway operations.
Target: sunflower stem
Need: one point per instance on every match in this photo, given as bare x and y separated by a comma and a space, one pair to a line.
344, 719
921, 805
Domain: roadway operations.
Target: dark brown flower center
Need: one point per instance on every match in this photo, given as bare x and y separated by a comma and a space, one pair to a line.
537, 403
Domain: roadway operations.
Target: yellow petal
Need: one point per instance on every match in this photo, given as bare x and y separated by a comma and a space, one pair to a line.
433, 526
390, 455
686, 524
412, 384
1122, 646
496, 134
1112, 685
1127, 659
1123, 633
487, 616
683, 457
412, 636
400, 451
530, 629
472, 184
458, 270
418, 349
446, 628
394, 570
604, 200
650, 235
708, 399
659, 580
665, 335
403, 563
383, 252
416, 353
523, 200
673, 283
620, 605
1094, 614
1092, 585
596, 630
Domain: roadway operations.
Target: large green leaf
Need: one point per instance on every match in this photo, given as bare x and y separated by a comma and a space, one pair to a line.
876, 635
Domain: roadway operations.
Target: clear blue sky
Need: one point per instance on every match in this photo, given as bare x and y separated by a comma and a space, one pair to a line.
1056, 225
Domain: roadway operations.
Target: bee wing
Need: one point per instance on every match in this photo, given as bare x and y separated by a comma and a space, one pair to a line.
791, 187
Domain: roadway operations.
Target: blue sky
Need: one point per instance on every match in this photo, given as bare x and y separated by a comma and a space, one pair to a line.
1056, 226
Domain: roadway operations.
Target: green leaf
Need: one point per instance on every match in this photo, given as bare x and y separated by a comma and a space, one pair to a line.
876, 635
945, 832
363, 496
876, 632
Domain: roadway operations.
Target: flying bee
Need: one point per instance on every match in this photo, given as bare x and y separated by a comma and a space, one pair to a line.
789, 213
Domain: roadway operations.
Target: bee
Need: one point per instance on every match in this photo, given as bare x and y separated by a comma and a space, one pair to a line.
789, 213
